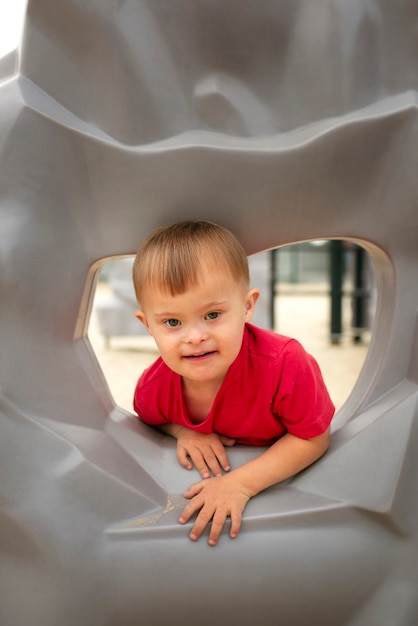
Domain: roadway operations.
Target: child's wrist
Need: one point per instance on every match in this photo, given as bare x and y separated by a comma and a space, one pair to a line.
246, 485
176, 430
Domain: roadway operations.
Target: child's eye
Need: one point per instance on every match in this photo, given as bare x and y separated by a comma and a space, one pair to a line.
172, 323
213, 315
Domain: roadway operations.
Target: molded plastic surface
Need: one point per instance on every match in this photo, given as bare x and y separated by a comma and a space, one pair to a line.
284, 121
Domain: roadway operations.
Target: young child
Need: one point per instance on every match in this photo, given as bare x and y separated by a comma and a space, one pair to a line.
220, 380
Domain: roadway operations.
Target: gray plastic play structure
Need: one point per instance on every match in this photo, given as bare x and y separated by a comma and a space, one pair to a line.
285, 121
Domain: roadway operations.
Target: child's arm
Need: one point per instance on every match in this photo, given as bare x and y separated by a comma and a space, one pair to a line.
206, 451
226, 496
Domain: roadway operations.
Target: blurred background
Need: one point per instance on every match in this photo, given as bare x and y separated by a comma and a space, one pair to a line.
320, 292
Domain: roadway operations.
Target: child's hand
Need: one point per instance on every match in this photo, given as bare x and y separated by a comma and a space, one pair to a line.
207, 452
216, 499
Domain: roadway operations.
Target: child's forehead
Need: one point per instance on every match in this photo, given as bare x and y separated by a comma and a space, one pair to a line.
212, 264
207, 274
209, 283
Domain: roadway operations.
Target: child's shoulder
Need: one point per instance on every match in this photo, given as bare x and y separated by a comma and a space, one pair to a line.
268, 342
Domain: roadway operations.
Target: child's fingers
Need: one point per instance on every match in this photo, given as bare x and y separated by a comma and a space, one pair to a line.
197, 460
236, 521
205, 452
194, 489
227, 441
212, 459
214, 502
193, 506
217, 525
205, 460
218, 522
220, 456
183, 458
205, 516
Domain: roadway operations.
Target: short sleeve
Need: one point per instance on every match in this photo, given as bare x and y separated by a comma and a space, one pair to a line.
301, 402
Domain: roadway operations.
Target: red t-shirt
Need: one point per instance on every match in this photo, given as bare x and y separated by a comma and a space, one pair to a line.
274, 386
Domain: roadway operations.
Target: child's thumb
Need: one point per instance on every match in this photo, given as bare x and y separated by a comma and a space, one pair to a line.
227, 441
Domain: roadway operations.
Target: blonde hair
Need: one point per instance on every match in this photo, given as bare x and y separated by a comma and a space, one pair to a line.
171, 257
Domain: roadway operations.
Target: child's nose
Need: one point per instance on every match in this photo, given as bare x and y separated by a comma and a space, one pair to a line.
196, 334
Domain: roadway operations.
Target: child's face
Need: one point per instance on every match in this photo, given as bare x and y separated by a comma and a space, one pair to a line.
199, 332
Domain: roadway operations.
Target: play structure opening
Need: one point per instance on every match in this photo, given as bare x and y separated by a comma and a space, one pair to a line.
320, 292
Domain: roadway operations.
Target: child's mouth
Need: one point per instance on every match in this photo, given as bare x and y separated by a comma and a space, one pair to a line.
202, 355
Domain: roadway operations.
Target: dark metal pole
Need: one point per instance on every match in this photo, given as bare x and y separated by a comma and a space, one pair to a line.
359, 294
336, 292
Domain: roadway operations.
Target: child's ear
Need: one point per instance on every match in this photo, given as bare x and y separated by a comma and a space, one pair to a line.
250, 302
141, 316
